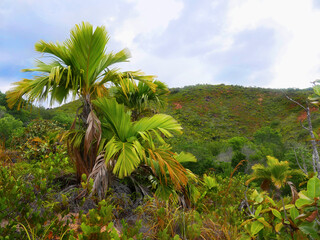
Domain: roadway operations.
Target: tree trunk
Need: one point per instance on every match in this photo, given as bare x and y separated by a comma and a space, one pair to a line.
85, 155
315, 154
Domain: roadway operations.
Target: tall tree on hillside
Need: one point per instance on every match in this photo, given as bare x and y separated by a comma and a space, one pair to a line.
81, 67
309, 128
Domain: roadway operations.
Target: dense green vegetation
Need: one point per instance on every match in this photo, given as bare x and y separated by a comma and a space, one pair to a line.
114, 164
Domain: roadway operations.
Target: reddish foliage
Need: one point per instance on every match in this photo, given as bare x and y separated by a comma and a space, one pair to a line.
313, 216
303, 115
177, 105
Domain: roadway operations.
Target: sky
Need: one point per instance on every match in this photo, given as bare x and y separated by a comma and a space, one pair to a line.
261, 43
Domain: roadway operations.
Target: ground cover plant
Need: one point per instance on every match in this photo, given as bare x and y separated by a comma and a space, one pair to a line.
121, 169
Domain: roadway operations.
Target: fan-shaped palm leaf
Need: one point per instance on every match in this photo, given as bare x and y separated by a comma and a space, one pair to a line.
277, 173
142, 97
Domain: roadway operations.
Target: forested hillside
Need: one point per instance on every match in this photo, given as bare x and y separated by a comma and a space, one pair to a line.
219, 112
211, 115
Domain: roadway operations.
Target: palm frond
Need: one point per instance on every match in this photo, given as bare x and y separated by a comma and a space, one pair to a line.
276, 172
185, 157
87, 47
115, 115
140, 97
166, 167
128, 155
58, 51
162, 122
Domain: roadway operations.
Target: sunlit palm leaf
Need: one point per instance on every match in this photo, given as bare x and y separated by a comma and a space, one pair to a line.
276, 172
140, 97
125, 146
128, 156
116, 116
79, 65
164, 123
185, 157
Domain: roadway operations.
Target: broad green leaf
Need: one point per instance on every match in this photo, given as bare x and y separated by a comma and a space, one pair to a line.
247, 221
254, 194
313, 188
276, 213
245, 237
294, 213
164, 123
309, 228
303, 195
209, 182
303, 202
257, 212
259, 198
278, 227
256, 227
316, 89
287, 207
264, 222
270, 200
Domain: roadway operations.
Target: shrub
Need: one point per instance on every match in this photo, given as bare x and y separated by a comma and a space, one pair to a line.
8, 126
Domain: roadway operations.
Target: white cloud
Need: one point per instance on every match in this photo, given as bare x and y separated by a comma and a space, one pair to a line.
201, 39
5, 83
151, 17
296, 25
179, 71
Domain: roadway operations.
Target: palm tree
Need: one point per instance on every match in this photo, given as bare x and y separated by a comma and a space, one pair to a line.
140, 98
275, 174
81, 67
127, 145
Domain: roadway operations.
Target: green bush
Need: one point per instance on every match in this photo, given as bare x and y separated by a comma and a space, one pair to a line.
64, 119
8, 126
23, 201
236, 159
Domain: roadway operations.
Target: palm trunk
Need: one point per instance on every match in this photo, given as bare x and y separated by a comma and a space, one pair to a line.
85, 155
86, 109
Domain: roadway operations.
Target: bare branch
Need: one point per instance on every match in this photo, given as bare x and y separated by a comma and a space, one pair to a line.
303, 126
299, 104
251, 211
302, 169
315, 154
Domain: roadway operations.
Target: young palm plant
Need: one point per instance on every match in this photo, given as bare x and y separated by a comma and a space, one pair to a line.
140, 98
127, 145
81, 67
276, 173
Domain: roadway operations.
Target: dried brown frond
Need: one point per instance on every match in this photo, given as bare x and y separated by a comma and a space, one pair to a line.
101, 177
231, 175
92, 139
216, 231
294, 192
